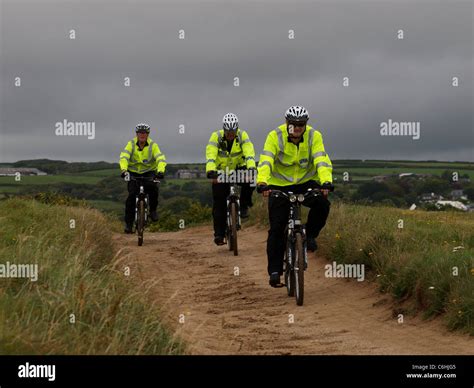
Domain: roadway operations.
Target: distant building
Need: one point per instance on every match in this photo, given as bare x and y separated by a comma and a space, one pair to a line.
430, 197
413, 175
190, 174
457, 194
12, 171
381, 178
455, 204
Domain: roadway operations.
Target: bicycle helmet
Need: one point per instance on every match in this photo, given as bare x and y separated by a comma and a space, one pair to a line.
230, 122
142, 127
297, 114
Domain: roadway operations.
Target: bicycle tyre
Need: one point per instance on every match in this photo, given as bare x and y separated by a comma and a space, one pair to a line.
141, 221
299, 270
233, 217
289, 273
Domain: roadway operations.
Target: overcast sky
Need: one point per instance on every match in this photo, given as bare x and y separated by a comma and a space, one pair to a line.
190, 81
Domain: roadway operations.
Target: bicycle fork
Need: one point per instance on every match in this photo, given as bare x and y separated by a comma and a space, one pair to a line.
237, 202
141, 196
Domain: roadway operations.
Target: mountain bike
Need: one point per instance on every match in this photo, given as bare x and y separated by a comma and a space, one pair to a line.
142, 206
295, 261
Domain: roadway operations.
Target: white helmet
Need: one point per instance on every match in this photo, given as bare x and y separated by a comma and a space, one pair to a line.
230, 122
142, 127
297, 113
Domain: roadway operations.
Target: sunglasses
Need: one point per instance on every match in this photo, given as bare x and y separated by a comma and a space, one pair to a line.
299, 124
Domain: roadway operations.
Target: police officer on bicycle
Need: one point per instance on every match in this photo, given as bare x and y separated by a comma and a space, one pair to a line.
293, 159
228, 150
141, 157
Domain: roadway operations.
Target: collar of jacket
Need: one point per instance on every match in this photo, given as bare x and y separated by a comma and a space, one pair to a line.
301, 138
146, 143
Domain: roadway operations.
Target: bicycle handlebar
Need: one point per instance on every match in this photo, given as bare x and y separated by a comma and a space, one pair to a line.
144, 178
289, 194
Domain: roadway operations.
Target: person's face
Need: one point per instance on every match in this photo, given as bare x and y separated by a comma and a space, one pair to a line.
296, 129
142, 136
229, 135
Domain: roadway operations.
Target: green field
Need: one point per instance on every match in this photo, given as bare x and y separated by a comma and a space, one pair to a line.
102, 173
9, 189
181, 182
403, 164
48, 179
370, 172
107, 206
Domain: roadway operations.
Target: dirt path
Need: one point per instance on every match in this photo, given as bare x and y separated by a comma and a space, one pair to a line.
228, 314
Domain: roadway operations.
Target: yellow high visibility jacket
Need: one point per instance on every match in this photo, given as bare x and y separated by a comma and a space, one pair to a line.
241, 154
148, 159
283, 163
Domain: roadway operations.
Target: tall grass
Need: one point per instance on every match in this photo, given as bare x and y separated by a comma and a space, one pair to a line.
416, 264
80, 274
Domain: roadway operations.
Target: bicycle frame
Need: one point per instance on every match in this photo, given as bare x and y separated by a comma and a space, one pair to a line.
294, 226
141, 195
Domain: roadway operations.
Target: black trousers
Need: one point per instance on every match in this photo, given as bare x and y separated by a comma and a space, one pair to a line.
220, 191
133, 189
278, 210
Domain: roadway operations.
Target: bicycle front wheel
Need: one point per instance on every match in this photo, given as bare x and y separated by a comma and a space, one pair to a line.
141, 221
233, 217
289, 272
299, 269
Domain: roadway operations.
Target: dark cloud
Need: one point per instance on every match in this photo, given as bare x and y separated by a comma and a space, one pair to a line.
190, 81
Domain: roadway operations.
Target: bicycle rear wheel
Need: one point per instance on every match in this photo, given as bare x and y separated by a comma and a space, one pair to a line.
299, 269
233, 228
141, 221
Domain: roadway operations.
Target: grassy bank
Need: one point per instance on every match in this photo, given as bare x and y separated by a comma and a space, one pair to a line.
78, 273
416, 264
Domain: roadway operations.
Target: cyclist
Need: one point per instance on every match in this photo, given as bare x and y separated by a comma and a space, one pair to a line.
293, 159
228, 150
141, 157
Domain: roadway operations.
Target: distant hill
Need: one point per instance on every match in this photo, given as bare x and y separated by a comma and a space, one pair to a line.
61, 166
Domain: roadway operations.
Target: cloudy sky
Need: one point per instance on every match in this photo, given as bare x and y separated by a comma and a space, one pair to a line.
190, 82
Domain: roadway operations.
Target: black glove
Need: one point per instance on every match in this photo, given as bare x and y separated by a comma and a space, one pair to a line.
160, 175
261, 188
211, 174
327, 186
124, 174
